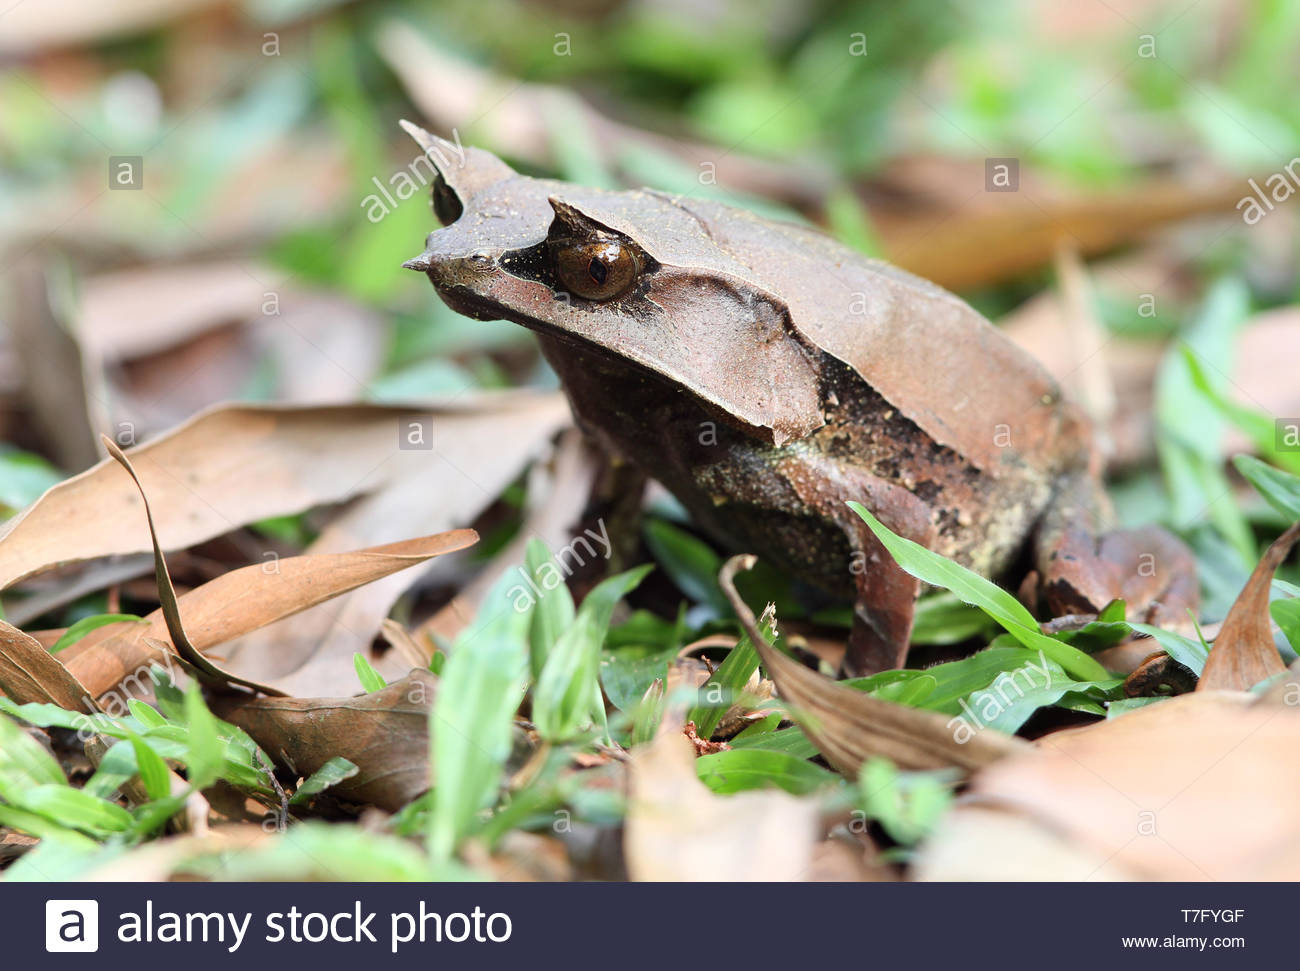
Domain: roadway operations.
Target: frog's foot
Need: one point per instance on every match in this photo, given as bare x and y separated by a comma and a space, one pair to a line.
886, 595
1149, 568
882, 619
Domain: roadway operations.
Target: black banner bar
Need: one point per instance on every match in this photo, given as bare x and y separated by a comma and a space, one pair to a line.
653, 925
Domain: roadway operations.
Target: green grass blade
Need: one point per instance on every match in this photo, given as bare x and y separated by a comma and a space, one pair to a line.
972, 588
554, 611
87, 624
472, 720
205, 754
1281, 489
371, 680
331, 773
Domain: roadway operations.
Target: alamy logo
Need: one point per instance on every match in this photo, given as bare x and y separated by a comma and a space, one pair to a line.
72, 925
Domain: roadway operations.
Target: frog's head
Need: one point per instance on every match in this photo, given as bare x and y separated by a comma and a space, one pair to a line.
633, 275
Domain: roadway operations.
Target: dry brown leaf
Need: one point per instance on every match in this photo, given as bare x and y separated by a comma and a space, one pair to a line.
1244, 654
29, 673
935, 218
251, 597
557, 494
849, 726
1200, 787
320, 349
478, 453
384, 733
416, 653
236, 464
677, 829
13, 845
192, 657
56, 590
133, 313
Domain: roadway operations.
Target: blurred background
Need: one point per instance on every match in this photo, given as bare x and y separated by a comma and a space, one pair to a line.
204, 200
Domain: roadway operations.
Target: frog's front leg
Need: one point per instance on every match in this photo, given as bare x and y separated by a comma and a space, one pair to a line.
1082, 566
885, 597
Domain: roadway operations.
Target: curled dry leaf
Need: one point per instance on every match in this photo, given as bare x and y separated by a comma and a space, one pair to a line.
246, 599
849, 726
1200, 787
237, 464
1244, 653
1158, 674
384, 733
204, 669
31, 674
677, 829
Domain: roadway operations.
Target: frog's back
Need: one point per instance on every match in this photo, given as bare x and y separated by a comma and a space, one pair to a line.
925, 351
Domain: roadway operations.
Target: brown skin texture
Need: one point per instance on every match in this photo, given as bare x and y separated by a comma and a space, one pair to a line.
767, 375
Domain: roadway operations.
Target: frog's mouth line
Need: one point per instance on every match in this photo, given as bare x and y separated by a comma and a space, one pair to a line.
465, 301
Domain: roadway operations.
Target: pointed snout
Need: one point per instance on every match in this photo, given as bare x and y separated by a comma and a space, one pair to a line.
449, 262
434, 254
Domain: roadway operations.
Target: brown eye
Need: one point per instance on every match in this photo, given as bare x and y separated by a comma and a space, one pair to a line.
595, 269
446, 204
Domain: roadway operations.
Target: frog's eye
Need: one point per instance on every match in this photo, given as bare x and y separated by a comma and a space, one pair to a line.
596, 269
446, 204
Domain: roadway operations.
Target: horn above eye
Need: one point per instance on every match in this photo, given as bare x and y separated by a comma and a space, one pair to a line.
446, 204
595, 268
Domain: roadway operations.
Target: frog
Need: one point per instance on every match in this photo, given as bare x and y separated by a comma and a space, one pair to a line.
767, 374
